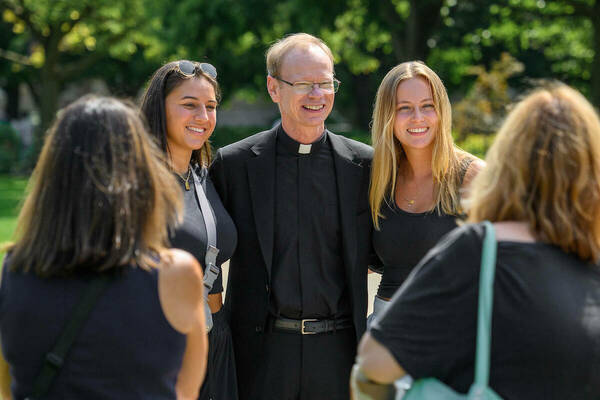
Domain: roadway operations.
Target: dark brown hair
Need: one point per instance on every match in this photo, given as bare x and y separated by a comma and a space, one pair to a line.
100, 196
165, 80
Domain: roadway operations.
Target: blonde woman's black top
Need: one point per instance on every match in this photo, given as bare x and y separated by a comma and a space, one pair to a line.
403, 240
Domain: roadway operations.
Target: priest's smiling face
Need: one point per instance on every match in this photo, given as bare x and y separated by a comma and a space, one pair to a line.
303, 115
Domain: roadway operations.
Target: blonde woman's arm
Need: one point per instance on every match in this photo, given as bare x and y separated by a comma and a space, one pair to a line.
180, 292
472, 171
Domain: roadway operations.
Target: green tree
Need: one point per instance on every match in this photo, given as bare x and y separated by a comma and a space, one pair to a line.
554, 40
53, 42
369, 37
62, 40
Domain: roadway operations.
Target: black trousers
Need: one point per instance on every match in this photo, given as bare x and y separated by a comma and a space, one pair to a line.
306, 367
220, 382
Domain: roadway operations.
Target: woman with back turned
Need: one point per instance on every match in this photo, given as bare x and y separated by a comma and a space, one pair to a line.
541, 190
99, 203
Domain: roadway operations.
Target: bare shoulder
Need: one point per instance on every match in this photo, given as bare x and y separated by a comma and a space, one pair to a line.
181, 268
180, 289
474, 168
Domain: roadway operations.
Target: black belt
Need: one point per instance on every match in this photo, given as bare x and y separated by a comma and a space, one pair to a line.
311, 326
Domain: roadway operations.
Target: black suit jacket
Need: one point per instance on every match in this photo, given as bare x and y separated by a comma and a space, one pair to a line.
244, 175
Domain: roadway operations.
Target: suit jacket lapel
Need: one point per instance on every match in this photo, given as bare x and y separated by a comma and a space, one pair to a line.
261, 178
349, 179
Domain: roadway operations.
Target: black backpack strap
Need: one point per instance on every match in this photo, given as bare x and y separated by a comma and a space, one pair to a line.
53, 361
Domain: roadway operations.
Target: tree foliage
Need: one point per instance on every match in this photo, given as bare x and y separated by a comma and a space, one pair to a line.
50, 43
57, 42
484, 107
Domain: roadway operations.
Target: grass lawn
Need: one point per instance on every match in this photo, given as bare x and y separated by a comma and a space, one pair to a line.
12, 190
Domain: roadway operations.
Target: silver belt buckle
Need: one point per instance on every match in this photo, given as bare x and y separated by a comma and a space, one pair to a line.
303, 328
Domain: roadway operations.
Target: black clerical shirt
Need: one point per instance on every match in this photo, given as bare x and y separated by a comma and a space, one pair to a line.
308, 277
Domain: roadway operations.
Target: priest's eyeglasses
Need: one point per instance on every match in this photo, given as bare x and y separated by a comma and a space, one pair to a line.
303, 87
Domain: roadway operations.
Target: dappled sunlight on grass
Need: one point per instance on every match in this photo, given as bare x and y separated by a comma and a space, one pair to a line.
12, 190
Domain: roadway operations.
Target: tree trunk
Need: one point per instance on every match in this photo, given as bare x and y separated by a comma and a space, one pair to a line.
412, 39
388, 13
50, 87
409, 40
12, 97
363, 104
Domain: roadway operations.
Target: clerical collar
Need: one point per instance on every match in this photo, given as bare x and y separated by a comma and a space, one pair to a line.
291, 146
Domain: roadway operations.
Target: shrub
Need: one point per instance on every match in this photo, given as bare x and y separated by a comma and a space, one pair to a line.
484, 107
476, 144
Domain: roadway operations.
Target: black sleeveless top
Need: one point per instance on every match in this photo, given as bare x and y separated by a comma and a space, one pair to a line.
125, 350
403, 239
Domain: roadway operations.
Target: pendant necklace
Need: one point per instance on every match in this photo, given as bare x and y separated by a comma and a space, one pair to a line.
410, 202
186, 181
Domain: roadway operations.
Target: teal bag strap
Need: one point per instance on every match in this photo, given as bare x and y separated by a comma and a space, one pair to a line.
484, 309
432, 388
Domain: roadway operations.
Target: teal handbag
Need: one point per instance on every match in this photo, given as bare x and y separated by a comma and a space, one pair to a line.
431, 388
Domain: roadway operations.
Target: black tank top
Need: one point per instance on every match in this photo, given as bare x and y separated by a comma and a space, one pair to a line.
125, 350
403, 239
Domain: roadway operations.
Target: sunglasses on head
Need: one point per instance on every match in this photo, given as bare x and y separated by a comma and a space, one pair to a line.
188, 68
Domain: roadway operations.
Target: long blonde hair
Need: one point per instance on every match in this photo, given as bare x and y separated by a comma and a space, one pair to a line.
446, 164
100, 196
544, 169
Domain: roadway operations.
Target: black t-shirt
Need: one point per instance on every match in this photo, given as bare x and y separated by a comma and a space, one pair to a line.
545, 323
191, 234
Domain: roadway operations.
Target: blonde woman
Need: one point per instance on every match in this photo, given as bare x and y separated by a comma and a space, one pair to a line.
418, 174
541, 189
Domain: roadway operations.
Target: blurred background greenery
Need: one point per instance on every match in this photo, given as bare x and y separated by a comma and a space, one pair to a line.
487, 53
